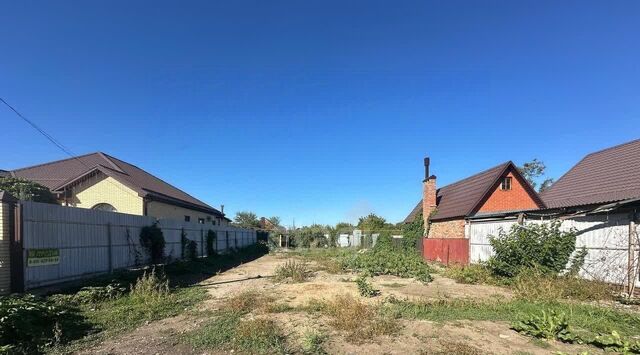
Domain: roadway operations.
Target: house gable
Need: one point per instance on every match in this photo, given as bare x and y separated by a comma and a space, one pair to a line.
518, 197
100, 189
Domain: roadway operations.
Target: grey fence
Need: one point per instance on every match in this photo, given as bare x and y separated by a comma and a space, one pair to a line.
63, 243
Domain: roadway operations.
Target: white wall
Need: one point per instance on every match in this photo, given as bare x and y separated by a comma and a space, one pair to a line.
604, 236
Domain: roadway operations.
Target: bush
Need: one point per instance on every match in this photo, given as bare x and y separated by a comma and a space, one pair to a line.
27, 190
211, 243
152, 240
29, 324
96, 294
296, 271
542, 246
150, 286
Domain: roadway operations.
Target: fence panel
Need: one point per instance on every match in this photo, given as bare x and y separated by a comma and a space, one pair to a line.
64, 243
479, 232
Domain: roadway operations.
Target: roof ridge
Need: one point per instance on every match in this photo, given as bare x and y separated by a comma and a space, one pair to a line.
477, 174
54, 162
108, 158
614, 147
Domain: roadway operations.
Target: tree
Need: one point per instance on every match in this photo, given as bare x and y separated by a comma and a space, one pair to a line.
344, 227
533, 170
246, 219
275, 221
27, 190
372, 223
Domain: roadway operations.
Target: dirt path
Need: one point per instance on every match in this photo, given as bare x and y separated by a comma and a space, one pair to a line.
415, 337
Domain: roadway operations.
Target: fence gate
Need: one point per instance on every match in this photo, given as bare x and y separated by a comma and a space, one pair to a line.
479, 233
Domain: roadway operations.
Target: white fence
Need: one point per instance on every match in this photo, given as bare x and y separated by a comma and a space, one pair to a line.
90, 242
606, 238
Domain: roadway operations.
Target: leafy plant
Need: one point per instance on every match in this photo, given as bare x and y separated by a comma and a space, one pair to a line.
27, 190
540, 245
577, 262
152, 240
389, 262
96, 294
549, 325
615, 342
365, 288
470, 274
29, 324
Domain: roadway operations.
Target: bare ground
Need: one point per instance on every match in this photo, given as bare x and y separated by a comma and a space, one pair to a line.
415, 337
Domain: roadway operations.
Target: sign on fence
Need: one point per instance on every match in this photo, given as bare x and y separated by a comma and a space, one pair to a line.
41, 257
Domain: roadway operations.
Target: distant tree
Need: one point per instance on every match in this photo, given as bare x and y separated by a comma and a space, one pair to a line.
246, 219
275, 220
344, 227
27, 190
533, 170
372, 223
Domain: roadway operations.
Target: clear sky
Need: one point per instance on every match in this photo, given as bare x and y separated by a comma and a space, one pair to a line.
319, 110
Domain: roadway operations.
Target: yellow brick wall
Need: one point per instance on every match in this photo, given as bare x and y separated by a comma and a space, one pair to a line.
5, 270
163, 210
104, 189
447, 229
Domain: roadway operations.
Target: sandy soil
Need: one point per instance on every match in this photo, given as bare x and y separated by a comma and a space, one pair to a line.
415, 337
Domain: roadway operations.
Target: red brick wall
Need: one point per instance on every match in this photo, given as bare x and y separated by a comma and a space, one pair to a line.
447, 229
428, 198
507, 200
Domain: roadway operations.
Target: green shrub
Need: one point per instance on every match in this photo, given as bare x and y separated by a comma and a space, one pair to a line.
152, 240
365, 288
150, 286
96, 294
29, 324
541, 245
27, 190
211, 243
389, 262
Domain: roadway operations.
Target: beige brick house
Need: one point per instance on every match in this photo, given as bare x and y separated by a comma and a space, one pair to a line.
100, 181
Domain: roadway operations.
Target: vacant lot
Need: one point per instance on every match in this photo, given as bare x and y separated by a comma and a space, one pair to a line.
312, 306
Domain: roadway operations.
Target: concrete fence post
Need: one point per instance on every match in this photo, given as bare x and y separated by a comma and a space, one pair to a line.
7, 234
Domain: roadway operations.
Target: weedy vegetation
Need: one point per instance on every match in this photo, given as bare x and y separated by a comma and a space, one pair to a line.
292, 271
365, 288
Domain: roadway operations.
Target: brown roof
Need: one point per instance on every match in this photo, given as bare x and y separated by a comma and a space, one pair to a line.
609, 175
58, 174
461, 198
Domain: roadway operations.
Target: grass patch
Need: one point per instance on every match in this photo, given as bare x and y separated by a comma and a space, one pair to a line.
292, 271
470, 274
312, 342
586, 317
359, 320
247, 302
458, 348
228, 331
536, 286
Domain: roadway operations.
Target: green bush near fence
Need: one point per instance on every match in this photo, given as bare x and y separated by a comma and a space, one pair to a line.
152, 240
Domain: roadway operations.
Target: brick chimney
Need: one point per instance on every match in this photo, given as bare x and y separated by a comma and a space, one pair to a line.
428, 194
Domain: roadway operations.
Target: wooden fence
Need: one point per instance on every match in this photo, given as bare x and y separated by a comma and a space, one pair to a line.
63, 243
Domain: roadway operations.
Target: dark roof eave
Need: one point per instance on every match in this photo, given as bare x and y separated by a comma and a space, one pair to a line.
154, 196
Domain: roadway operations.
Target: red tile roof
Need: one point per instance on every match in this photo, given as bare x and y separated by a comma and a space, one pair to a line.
55, 175
609, 175
461, 198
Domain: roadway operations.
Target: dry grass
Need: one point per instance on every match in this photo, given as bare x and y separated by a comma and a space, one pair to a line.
292, 271
538, 287
248, 301
360, 320
458, 348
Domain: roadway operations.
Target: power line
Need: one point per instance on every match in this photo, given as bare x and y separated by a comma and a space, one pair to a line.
42, 131
55, 141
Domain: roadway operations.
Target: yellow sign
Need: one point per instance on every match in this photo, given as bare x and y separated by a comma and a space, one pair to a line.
41, 257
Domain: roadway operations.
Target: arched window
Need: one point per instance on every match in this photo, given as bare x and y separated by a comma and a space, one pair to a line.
104, 207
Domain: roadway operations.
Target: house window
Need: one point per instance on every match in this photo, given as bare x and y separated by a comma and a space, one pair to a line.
187, 218
104, 207
506, 184
201, 220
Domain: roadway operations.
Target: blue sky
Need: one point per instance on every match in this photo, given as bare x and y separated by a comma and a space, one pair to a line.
319, 110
